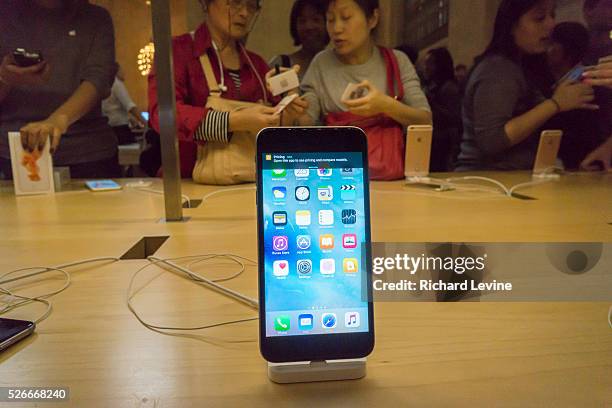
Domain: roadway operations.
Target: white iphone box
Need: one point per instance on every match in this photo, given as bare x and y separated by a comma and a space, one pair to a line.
284, 82
32, 172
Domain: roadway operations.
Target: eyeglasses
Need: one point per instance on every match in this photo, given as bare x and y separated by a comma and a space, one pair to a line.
252, 6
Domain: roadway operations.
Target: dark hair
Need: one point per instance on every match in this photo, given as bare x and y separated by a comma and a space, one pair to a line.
508, 15
318, 5
534, 67
410, 51
367, 6
574, 38
444, 68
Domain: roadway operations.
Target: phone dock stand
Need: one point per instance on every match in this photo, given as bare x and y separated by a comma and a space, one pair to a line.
545, 176
440, 185
313, 371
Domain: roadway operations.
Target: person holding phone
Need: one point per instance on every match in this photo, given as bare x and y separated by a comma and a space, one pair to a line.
392, 95
57, 100
238, 73
505, 103
582, 129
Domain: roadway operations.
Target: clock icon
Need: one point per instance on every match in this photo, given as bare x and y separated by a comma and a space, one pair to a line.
302, 193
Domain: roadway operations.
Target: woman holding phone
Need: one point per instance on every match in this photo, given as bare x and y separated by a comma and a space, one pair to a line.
238, 76
505, 106
387, 91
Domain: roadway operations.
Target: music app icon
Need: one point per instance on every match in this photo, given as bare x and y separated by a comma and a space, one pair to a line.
351, 320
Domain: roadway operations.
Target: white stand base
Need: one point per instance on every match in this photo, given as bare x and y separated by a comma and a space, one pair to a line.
428, 181
313, 371
545, 176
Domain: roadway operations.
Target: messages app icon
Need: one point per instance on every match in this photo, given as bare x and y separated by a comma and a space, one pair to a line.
279, 173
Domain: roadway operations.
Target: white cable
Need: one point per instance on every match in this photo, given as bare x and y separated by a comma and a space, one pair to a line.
25, 300
227, 190
210, 283
193, 276
150, 190
487, 179
527, 184
610, 317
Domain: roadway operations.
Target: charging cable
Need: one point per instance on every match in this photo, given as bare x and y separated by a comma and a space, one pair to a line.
210, 283
15, 301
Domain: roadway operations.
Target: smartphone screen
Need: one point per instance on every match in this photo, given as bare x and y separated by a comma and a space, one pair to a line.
314, 226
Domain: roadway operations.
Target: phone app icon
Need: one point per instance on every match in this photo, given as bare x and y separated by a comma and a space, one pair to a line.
350, 265
268, 157
348, 192
280, 268
347, 171
349, 241
327, 266
349, 217
329, 320
306, 321
279, 173
352, 320
324, 171
280, 243
279, 193
302, 218
282, 323
325, 193
303, 242
301, 173
302, 193
279, 218
304, 267
326, 217
326, 241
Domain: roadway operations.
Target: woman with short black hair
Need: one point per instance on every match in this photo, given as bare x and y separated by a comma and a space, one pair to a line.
391, 95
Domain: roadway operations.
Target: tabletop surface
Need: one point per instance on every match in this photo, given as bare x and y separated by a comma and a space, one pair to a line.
426, 354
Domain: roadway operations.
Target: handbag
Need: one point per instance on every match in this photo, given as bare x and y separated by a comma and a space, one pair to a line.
386, 141
224, 163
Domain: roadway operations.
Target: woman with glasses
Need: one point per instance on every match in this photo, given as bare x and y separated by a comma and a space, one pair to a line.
239, 76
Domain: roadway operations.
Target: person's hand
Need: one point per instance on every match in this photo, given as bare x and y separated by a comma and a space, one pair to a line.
34, 135
296, 108
272, 73
135, 119
602, 154
601, 74
254, 119
12, 74
374, 103
571, 95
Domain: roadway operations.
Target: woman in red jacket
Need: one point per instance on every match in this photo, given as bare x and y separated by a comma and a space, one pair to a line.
239, 73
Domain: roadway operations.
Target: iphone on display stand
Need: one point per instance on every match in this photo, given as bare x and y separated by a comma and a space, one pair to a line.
313, 213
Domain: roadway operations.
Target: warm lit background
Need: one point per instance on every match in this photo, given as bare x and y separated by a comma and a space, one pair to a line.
464, 26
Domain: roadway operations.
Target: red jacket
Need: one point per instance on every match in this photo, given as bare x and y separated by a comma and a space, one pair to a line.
192, 90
